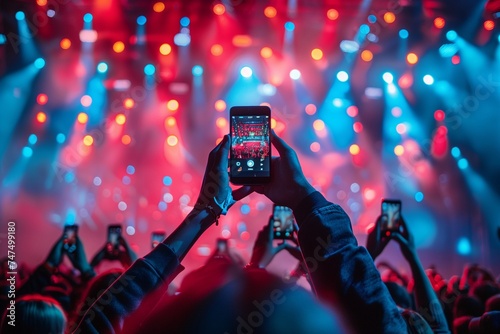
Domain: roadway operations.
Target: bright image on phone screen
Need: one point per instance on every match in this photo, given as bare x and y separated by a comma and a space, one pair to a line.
250, 146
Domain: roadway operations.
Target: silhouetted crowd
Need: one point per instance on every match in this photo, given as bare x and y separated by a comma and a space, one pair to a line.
348, 294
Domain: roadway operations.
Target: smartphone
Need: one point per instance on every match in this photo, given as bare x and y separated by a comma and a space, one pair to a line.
222, 247
70, 233
250, 156
282, 222
114, 234
391, 215
157, 237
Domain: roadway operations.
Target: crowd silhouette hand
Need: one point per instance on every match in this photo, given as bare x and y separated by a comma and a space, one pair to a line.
405, 240
55, 256
78, 258
215, 184
288, 185
264, 249
376, 240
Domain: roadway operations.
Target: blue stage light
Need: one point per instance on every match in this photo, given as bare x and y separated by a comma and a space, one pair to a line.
290, 26
452, 35
428, 79
3, 39
342, 76
404, 34
149, 69
87, 18
32, 139
27, 152
185, 21
364, 29
60, 138
141, 20
197, 70
463, 246
463, 163
102, 67
245, 209
20, 16
130, 169
39, 63
167, 180
419, 196
372, 18
388, 77
455, 152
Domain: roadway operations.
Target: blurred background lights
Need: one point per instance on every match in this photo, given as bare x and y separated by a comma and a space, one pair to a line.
65, 44
354, 149
97, 181
270, 12
439, 22
389, 17
428, 79
290, 26
149, 69
452, 35
219, 9
39, 63
141, 20
118, 47
42, 99
165, 49
316, 54
295, 74
404, 34
366, 55
342, 76
332, 14
27, 152
246, 72
355, 187
245, 209
86, 100
60, 138
419, 196
216, 50
32, 139
463, 246
128, 103
102, 67
412, 58
159, 7
88, 140
489, 25
455, 152
197, 70
463, 163
130, 230
167, 181
130, 169
87, 18
120, 119
172, 140
82, 118
185, 21
20, 16
388, 77
41, 117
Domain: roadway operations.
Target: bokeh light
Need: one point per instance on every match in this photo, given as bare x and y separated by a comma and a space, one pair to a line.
165, 49
270, 12
172, 105
126, 139
412, 58
220, 105
332, 14
439, 115
41, 117
65, 44
219, 9
439, 22
489, 25
389, 17
310, 109
266, 52
88, 140
86, 100
216, 50
118, 47
159, 7
120, 119
366, 55
399, 150
172, 140
315, 147
319, 125
317, 54
128, 103
82, 118
354, 149
42, 99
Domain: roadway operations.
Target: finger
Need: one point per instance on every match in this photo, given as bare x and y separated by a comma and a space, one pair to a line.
280, 247
242, 192
282, 147
271, 230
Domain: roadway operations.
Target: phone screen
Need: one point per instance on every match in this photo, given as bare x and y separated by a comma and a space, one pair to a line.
157, 237
70, 232
250, 161
283, 221
391, 214
114, 233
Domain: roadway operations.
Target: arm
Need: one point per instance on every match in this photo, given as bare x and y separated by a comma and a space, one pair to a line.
427, 302
158, 268
343, 274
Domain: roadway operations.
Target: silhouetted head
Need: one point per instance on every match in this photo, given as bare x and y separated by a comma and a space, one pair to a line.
222, 297
34, 314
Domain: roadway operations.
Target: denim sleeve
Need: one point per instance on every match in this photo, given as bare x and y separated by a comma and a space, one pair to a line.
343, 274
125, 295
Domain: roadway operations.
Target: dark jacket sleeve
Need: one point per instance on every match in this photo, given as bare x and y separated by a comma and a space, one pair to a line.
125, 295
343, 274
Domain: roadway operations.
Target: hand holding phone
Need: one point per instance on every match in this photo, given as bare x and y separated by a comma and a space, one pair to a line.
250, 154
70, 234
390, 215
114, 234
282, 222
157, 237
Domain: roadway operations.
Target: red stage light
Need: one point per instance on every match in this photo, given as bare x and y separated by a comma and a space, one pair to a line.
315, 147
369, 194
266, 52
86, 101
159, 7
412, 58
118, 47
358, 127
455, 60
406, 81
65, 44
41, 3
439, 115
310, 109
245, 235
42, 99
352, 111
